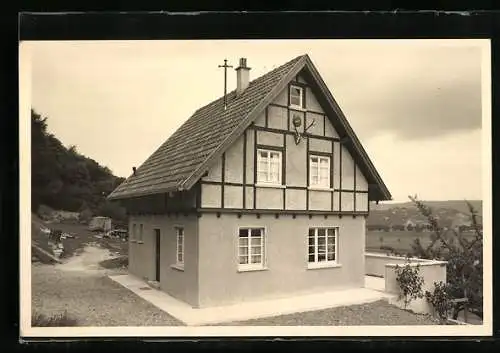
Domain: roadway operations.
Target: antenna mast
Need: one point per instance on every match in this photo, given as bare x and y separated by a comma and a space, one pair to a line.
225, 66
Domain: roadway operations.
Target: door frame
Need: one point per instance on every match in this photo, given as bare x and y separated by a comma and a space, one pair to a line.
157, 237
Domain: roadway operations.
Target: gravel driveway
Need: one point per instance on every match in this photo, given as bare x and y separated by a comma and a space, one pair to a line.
95, 300
90, 297
376, 313
81, 287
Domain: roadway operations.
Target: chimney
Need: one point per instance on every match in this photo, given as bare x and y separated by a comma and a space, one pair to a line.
242, 76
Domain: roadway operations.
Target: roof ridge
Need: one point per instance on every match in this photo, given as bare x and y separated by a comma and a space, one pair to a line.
252, 81
180, 160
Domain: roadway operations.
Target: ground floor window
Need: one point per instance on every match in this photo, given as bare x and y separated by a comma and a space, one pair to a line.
141, 229
251, 248
323, 246
180, 246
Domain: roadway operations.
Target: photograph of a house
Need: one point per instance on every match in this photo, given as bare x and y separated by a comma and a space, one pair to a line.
265, 185
234, 189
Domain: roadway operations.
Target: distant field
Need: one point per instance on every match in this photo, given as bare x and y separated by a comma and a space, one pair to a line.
399, 240
459, 205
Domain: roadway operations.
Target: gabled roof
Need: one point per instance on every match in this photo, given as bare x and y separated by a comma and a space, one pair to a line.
180, 162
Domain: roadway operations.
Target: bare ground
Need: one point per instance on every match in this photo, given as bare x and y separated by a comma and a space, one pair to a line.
80, 285
83, 289
377, 313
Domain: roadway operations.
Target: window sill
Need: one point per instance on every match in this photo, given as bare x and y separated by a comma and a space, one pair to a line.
275, 186
251, 269
316, 266
177, 267
317, 188
296, 107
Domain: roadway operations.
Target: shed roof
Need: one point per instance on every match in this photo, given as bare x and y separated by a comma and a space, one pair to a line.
181, 160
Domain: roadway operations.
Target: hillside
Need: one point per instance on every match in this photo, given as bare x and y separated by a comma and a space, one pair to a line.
64, 179
448, 213
458, 205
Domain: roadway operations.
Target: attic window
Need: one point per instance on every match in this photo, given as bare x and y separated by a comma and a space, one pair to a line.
296, 96
319, 171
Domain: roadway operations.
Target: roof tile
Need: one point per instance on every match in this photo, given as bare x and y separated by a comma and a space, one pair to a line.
189, 146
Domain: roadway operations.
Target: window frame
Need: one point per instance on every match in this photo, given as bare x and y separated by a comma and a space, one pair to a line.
133, 238
329, 176
263, 252
141, 232
280, 169
182, 235
301, 96
323, 263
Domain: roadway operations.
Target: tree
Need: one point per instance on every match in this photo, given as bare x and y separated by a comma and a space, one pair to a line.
62, 178
464, 254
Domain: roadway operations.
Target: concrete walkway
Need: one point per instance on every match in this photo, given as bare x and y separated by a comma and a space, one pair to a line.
247, 310
375, 283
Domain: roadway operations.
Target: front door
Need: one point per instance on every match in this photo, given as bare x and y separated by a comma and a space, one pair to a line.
157, 247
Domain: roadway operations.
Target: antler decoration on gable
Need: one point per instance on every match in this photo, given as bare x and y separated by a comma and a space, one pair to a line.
297, 122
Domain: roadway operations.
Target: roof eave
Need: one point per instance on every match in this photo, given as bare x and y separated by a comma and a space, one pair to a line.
385, 195
132, 194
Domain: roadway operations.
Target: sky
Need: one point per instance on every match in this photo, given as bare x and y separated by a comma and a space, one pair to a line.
416, 106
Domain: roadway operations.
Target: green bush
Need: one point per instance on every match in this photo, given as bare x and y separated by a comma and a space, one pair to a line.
440, 300
410, 283
56, 320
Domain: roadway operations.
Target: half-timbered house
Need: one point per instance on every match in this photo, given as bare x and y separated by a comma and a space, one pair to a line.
262, 193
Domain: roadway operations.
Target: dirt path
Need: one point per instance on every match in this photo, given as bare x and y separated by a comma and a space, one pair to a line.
87, 260
81, 287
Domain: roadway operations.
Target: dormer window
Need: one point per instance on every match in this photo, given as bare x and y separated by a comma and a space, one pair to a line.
296, 97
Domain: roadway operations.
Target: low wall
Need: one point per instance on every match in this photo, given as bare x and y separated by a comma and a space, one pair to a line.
385, 266
431, 271
375, 263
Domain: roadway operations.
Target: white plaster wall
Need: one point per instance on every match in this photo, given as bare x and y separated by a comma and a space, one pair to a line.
286, 273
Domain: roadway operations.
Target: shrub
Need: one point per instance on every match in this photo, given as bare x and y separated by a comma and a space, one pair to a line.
45, 212
410, 283
85, 216
112, 210
440, 300
464, 254
57, 320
